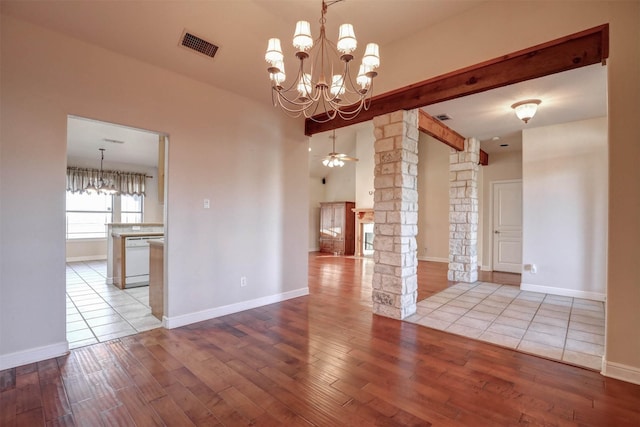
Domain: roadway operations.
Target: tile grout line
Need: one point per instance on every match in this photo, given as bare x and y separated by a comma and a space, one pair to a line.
80, 312
540, 305
528, 323
86, 266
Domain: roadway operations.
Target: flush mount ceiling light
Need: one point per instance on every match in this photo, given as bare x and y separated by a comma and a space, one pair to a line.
525, 110
316, 90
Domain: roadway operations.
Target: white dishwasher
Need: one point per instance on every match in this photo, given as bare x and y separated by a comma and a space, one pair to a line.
137, 261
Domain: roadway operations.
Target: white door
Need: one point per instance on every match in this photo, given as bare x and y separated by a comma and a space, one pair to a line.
507, 226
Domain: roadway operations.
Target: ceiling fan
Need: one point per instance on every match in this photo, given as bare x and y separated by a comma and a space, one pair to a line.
335, 159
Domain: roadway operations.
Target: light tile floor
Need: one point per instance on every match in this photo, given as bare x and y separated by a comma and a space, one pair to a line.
98, 312
556, 327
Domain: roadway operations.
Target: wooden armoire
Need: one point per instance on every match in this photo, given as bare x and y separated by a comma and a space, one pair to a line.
337, 228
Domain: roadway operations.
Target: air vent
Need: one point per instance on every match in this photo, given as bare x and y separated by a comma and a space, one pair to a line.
199, 45
443, 117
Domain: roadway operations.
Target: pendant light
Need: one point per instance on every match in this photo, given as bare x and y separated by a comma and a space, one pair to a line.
99, 186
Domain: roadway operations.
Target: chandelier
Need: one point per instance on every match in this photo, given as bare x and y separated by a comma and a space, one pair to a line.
99, 186
318, 92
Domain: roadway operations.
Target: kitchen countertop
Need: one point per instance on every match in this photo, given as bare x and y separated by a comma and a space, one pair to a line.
134, 224
138, 234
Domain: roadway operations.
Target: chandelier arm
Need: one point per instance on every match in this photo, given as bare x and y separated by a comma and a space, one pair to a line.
369, 97
348, 115
284, 103
328, 113
331, 3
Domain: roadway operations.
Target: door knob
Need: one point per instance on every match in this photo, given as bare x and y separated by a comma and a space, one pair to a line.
496, 232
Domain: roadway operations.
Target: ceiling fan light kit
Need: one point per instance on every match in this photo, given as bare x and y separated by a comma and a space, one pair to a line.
525, 110
335, 159
333, 162
319, 94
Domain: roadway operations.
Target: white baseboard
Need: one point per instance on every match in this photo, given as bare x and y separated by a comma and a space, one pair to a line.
622, 372
316, 249
486, 268
87, 258
433, 259
596, 296
32, 355
199, 316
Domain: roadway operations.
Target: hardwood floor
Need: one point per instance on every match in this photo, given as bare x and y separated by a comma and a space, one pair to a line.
319, 360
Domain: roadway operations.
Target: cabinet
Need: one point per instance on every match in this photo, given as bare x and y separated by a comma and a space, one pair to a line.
131, 258
156, 277
337, 228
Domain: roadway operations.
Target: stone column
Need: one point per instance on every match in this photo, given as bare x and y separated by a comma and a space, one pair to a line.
463, 212
395, 280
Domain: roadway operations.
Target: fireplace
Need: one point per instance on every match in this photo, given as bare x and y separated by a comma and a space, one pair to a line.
364, 231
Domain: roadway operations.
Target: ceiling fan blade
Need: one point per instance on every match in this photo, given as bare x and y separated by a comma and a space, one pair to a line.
345, 157
335, 155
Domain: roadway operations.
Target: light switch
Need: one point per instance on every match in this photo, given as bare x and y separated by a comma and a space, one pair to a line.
207, 204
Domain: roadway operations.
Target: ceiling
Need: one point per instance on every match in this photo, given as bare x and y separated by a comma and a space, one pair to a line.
150, 32
573, 95
122, 144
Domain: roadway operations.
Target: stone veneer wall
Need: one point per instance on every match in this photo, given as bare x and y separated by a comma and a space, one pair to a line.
463, 212
395, 280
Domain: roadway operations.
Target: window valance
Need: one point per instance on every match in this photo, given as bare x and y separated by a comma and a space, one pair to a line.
131, 183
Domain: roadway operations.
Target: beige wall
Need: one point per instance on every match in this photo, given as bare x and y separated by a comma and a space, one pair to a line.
623, 291
564, 169
464, 43
365, 166
501, 167
316, 195
433, 200
85, 249
257, 224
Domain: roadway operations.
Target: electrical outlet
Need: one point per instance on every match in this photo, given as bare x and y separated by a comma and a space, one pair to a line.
243, 281
207, 203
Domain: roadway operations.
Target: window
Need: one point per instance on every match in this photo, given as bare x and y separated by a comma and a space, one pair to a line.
88, 215
131, 208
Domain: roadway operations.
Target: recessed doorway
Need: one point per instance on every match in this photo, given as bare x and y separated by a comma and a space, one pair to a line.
115, 185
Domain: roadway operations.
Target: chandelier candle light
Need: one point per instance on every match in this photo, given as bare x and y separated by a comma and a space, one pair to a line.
318, 93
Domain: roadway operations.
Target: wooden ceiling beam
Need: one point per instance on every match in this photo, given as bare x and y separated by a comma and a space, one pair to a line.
566, 53
484, 158
443, 133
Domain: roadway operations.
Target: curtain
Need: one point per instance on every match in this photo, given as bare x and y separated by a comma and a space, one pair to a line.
125, 182
130, 183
